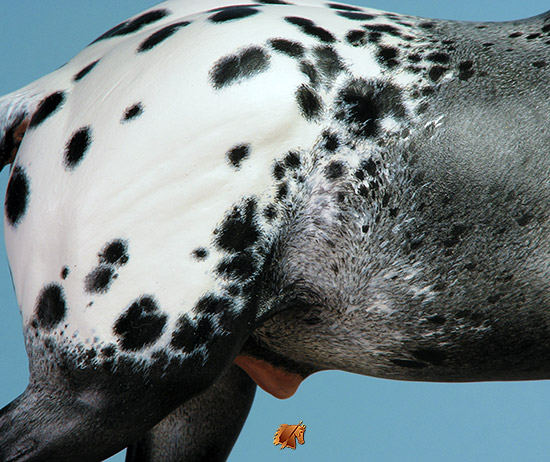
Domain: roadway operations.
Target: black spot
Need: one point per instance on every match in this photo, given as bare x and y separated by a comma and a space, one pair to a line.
414, 58
233, 12
200, 253
288, 47
234, 290
211, 304
334, 170
456, 233
188, 336
408, 363
363, 191
539, 64
282, 191
246, 64
361, 104
65, 272
340, 6
129, 27
279, 170
109, 351
85, 71
77, 147
308, 27
427, 25
375, 37
243, 265
515, 34
51, 306
237, 154
46, 108
143, 20
356, 37
546, 28
99, 279
328, 62
533, 36
465, 69
160, 36
436, 357
292, 160
436, 72
310, 71
309, 102
330, 141
356, 16
132, 112
17, 196
387, 56
438, 57
238, 230
270, 212
524, 219
437, 319
357, 107
141, 325
115, 253
386, 28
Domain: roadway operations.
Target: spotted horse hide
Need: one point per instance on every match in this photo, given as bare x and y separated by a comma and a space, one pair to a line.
276, 188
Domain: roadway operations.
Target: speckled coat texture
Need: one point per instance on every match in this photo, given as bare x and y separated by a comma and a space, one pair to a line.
315, 185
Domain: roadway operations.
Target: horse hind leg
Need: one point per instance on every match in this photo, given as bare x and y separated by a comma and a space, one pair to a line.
58, 421
205, 428
87, 411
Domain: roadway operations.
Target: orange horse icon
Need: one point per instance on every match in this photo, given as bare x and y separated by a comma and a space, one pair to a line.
286, 435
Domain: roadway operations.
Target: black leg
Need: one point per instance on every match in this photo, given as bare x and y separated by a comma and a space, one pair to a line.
89, 411
205, 428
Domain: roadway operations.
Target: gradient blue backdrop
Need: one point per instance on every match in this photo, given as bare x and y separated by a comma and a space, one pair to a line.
348, 417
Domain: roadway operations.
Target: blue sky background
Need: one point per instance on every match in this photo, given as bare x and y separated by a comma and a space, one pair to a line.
348, 417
